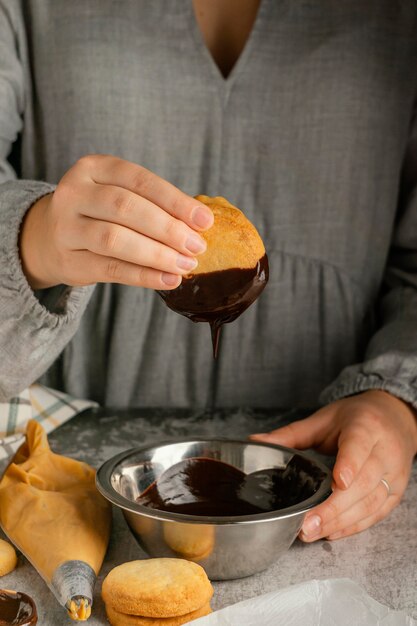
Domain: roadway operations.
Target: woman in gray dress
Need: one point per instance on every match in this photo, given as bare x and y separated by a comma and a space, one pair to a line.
303, 115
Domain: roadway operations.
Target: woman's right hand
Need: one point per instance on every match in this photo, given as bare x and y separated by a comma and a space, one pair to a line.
110, 220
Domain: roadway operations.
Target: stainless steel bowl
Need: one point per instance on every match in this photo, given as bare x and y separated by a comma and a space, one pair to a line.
227, 547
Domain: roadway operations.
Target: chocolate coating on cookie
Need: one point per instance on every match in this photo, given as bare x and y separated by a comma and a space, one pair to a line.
218, 297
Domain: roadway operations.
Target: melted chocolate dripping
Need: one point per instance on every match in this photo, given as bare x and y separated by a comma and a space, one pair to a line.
203, 486
17, 609
218, 297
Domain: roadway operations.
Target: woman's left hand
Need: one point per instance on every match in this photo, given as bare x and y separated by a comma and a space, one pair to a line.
375, 437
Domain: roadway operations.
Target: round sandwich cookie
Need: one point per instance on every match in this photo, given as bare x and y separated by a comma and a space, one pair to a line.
157, 588
120, 619
8, 558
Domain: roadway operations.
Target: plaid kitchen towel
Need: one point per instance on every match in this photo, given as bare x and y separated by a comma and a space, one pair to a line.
49, 407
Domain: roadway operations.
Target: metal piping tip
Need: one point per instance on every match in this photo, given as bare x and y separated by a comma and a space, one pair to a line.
73, 585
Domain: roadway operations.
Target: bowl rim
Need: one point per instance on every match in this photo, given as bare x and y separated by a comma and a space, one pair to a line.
104, 486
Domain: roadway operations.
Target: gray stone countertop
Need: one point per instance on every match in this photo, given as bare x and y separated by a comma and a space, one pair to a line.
382, 559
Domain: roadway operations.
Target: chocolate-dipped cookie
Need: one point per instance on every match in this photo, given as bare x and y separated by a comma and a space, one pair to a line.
230, 275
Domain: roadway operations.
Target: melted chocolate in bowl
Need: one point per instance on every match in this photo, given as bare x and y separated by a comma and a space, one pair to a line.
218, 297
17, 609
202, 486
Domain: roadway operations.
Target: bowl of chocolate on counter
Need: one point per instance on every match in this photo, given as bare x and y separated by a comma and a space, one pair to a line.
231, 274
231, 506
17, 609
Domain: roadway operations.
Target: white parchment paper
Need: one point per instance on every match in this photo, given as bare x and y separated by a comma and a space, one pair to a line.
337, 602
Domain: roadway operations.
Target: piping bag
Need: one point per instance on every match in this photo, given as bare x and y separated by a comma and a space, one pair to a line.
52, 512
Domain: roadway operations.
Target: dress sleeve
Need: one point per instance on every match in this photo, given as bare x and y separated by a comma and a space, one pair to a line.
390, 361
34, 327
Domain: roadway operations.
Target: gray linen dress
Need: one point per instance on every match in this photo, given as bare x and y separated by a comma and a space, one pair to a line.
312, 135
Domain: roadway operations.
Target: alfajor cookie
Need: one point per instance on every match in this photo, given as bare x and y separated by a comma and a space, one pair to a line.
157, 588
120, 619
8, 558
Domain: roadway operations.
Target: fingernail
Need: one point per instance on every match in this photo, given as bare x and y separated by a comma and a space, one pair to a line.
202, 217
346, 476
195, 244
311, 526
186, 262
169, 279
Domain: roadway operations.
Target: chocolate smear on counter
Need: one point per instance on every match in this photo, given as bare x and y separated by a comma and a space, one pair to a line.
17, 609
218, 297
203, 486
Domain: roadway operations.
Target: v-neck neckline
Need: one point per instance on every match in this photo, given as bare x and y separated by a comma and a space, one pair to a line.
212, 69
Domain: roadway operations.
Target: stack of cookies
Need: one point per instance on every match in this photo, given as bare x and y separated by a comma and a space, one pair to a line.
152, 592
